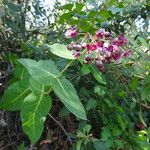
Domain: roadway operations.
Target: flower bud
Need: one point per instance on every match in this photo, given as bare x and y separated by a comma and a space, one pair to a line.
84, 45
91, 47
100, 33
78, 47
77, 54
71, 46
107, 35
71, 33
99, 65
99, 44
88, 58
127, 53
117, 56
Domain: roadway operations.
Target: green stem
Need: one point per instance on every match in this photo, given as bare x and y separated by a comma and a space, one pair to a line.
47, 92
66, 67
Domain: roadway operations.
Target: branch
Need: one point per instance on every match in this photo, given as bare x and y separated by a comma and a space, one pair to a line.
61, 128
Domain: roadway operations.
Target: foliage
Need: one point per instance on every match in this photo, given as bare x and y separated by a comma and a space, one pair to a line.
111, 107
39, 84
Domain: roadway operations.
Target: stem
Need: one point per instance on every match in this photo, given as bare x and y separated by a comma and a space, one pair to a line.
47, 92
86, 35
66, 67
61, 128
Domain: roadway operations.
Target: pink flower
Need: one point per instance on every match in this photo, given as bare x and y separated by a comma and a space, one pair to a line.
84, 45
78, 47
117, 56
77, 54
110, 48
99, 65
88, 58
99, 44
116, 42
100, 49
115, 48
100, 33
122, 39
127, 53
108, 59
91, 47
71, 33
71, 46
107, 35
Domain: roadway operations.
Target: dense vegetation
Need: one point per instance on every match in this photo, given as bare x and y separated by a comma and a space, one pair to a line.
75, 76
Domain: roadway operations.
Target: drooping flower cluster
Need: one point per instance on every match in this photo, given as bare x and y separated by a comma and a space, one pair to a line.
100, 48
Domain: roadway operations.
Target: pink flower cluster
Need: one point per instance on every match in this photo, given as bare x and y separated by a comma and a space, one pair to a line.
101, 48
71, 33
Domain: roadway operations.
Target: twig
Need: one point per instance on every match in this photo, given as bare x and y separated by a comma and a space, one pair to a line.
145, 106
61, 128
6, 147
66, 67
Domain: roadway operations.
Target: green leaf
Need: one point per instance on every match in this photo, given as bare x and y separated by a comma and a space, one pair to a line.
11, 58
121, 93
67, 6
61, 51
28, 48
91, 104
67, 94
36, 88
104, 15
85, 25
98, 76
116, 9
79, 7
79, 144
42, 71
134, 83
21, 147
143, 42
85, 70
20, 72
81, 135
121, 122
145, 92
99, 145
106, 134
116, 131
92, 14
119, 144
12, 7
64, 17
100, 90
14, 95
87, 129
33, 114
